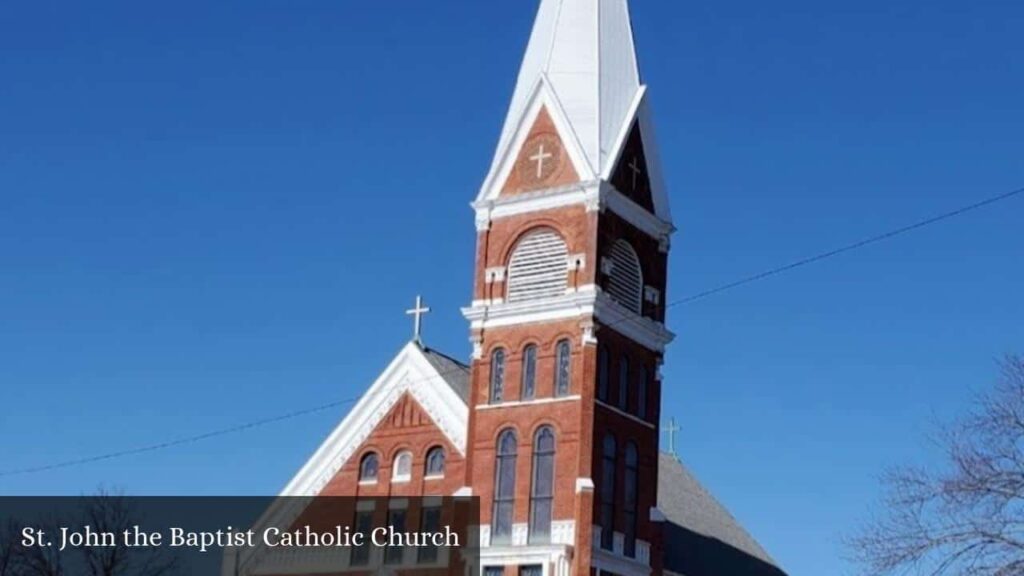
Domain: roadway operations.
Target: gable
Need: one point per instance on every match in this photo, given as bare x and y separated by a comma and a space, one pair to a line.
542, 161
412, 373
631, 175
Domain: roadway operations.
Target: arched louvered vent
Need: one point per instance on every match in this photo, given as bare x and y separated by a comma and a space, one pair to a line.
539, 267
626, 283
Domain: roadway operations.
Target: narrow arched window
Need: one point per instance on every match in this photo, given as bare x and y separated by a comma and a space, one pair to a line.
504, 487
542, 491
529, 384
608, 456
602, 373
641, 392
630, 498
402, 467
497, 376
368, 467
435, 462
625, 282
538, 267
623, 400
563, 367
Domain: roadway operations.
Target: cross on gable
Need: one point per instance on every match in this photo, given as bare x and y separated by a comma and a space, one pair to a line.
637, 171
417, 312
540, 157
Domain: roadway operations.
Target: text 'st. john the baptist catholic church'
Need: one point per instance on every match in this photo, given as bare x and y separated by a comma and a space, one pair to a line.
554, 421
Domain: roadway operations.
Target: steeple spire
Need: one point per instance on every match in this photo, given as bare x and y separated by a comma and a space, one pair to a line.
584, 49
581, 62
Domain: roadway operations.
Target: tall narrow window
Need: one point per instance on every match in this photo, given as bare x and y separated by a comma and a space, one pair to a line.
624, 382
360, 555
430, 523
396, 520
531, 570
529, 372
641, 392
563, 359
542, 493
504, 488
435, 462
602, 373
368, 468
629, 504
497, 376
608, 453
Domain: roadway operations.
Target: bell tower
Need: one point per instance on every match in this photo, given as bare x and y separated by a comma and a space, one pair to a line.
568, 311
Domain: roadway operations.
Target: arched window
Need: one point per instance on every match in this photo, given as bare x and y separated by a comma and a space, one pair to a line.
402, 467
641, 392
504, 487
629, 503
497, 375
435, 461
625, 282
602, 373
539, 267
563, 367
542, 492
608, 456
368, 467
623, 382
529, 387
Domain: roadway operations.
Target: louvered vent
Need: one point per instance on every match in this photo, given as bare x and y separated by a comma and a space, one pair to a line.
539, 267
625, 283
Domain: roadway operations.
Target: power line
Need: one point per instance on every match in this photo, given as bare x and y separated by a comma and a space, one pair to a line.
690, 299
180, 441
848, 248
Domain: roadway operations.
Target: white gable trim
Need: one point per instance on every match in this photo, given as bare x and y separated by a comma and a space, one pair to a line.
410, 372
640, 113
543, 96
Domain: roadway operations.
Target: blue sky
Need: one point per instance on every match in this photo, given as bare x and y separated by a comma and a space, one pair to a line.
213, 213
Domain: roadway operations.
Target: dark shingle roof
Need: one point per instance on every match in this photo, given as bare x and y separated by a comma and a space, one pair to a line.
455, 373
701, 537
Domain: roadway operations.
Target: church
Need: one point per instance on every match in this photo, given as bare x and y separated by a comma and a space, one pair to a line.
553, 422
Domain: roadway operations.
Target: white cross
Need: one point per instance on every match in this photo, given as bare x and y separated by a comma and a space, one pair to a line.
671, 430
636, 171
539, 158
417, 313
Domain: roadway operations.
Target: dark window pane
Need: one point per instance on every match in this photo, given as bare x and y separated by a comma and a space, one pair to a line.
396, 519
564, 364
364, 524
529, 372
435, 461
623, 382
531, 570
542, 489
494, 571
505, 487
608, 457
630, 498
430, 521
368, 468
497, 375
641, 393
602, 373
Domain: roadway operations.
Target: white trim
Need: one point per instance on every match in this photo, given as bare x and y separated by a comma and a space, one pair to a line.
635, 214
542, 97
584, 485
520, 403
433, 477
410, 372
589, 300
624, 414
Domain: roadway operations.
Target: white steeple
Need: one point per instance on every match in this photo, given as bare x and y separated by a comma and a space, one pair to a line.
582, 56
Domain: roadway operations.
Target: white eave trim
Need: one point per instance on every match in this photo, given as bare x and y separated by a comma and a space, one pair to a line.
589, 300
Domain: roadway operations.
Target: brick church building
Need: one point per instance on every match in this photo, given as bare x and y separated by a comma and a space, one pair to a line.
554, 421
